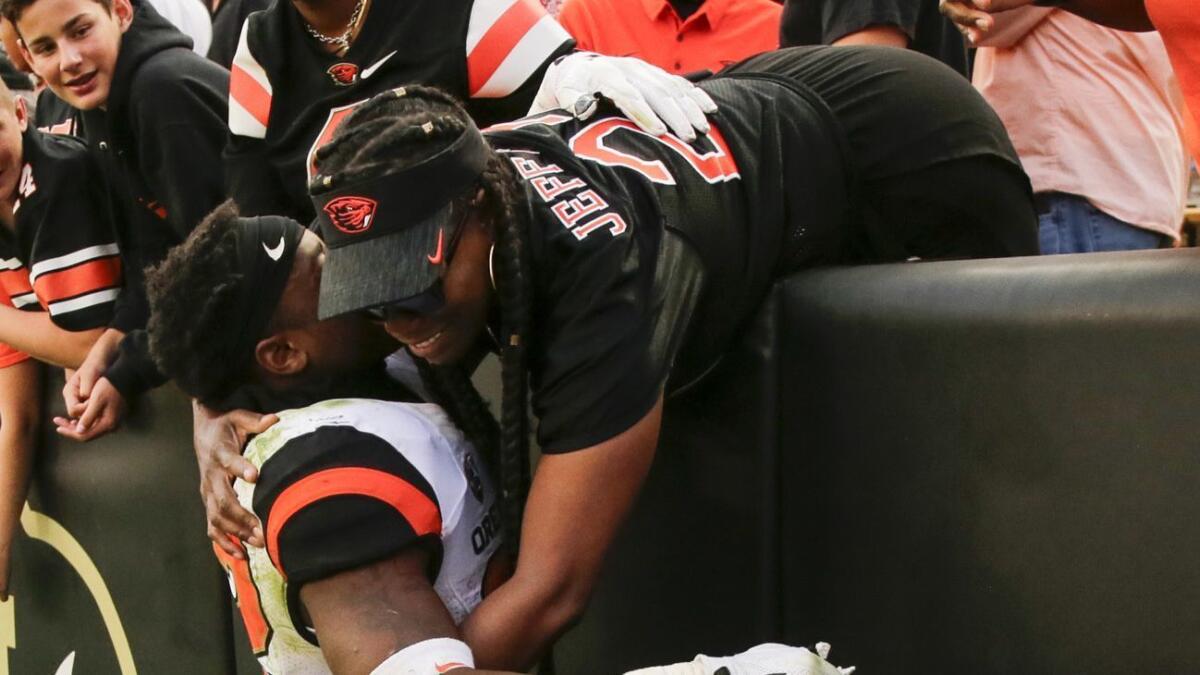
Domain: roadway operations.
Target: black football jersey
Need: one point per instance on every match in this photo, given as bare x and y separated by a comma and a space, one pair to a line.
638, 240
287, 96
62, 256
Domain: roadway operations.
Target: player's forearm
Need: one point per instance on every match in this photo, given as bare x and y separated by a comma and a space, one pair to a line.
35, 334
518, 621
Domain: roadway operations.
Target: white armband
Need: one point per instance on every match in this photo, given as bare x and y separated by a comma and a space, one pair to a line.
429, 657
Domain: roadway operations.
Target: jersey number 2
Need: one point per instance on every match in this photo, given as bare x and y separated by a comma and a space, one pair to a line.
714, 165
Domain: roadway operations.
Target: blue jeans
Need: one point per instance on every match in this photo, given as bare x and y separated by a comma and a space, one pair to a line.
1070, 224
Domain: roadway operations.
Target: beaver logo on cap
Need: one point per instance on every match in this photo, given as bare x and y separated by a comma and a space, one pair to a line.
351, 215
344, 74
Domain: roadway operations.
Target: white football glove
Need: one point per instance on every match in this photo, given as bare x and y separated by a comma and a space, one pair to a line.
765, 659
646, 94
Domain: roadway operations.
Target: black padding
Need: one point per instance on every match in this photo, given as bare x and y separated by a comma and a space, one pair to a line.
984, 467
999, 464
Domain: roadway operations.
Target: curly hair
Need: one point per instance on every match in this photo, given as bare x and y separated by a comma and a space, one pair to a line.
400, 128
192, 293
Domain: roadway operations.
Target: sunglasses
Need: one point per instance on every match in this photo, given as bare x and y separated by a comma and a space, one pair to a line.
430, 300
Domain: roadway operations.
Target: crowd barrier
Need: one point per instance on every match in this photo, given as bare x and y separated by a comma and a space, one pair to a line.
983, 467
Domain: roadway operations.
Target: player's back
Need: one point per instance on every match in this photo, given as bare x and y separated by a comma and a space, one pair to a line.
348, 482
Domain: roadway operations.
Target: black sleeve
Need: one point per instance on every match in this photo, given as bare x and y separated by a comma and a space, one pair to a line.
134, 372
593, 370
337, 498
53, 115
252, 182
227, 29
70, 215
489, 111
180, 134
811, 22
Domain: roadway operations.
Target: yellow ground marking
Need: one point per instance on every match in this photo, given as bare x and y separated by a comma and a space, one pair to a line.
44, 528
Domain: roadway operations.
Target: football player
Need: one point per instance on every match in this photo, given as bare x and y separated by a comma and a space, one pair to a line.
60, 276
381, 526
152, 112
302, 66
609, 267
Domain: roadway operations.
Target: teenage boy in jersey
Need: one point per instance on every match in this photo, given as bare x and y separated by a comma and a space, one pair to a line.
380, 518
60, 276
152, 112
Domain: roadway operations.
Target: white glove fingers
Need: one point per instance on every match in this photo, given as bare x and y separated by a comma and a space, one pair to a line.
702, 99
634, 104
695, 115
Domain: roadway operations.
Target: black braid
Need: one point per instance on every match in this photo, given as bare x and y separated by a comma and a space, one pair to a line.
389, 132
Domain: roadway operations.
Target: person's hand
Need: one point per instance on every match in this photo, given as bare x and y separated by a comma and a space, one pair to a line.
654, 99
102, 412
973, 18
82, 380
218, 440
764, 659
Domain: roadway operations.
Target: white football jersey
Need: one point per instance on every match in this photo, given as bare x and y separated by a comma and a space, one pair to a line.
347, 482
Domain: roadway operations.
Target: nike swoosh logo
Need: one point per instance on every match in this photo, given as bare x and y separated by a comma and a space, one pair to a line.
447, 667
369, 71
436, 258
276, 252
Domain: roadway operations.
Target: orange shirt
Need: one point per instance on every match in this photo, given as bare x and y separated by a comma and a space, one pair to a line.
720, 32
1179, 24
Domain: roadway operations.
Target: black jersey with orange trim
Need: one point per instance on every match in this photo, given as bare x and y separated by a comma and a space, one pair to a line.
62, 256
637, 241
650, 256
348, 482
287, 95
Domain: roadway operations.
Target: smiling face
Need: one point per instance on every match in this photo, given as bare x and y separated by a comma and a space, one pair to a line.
73, 46
446, 335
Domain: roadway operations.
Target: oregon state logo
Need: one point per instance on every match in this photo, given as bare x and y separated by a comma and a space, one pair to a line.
352, 215
344, 74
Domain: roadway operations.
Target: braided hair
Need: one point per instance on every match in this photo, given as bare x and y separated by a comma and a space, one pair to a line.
398, 129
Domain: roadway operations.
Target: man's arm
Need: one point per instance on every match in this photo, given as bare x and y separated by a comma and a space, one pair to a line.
976, 17
20, 405
560, 559
35, 334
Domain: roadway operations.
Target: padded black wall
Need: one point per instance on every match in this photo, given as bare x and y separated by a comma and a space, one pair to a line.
1001, 464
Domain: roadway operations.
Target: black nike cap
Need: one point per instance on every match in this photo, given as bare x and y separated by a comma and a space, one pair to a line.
386, 236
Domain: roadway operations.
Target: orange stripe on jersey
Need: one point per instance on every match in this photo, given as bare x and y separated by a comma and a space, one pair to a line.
416, 507
87, 277
499, 40
15, 282
249, 94
8, 355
